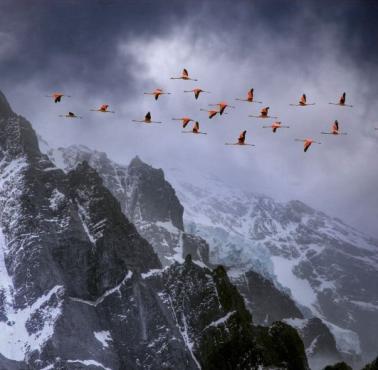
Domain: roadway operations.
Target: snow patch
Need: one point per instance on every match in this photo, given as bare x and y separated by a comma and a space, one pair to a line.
301, 289
89, 363
15, 339
312, 347
347, 341
167, 225
296, 323
220, 321
107, 293
56, 199
103, 337
153, 272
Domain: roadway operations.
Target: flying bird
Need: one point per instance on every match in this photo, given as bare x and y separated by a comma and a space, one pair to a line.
276, 125
156, 93
302, 102
307, 143
211, 112
222, 106
241, 140
342, 101
195, 130
264, 113
70, 115
250, 97
335, 130
197, 92
184, 76
147, 119
103, 109
57, 97
184, 120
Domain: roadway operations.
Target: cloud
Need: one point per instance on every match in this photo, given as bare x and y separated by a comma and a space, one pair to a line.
8, 46
116, 52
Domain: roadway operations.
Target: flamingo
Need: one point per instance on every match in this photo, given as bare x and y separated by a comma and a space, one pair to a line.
197, 91
334, 130
222, 106
57, 97
241, 140
250, 97
195, 130
70, 115
184, 76
264, 113
157, 93
184, 120
147, 119
342, 101
103, 109
302, 102
275, 125
307, 143
211, 112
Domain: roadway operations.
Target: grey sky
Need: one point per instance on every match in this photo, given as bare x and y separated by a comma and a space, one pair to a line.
112, 51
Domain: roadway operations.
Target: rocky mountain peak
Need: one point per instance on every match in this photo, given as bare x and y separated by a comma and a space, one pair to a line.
5, 108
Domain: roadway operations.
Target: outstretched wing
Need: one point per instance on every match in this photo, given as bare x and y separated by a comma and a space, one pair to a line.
264, 111
185, 122
342, 98
241, 139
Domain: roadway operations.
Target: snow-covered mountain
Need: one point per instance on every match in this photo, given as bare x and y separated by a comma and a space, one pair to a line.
146, 198
329, 268
81, 288
326, 267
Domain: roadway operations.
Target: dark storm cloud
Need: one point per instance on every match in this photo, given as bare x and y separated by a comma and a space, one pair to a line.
110, 51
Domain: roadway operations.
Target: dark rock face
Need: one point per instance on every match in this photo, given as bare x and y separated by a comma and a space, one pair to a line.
318, 338
217, 326
372, 366
282, 346
154, 198
338, 366
146, 199
196, 247
267, 303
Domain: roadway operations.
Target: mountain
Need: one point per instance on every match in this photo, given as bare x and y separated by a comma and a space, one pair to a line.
81, 288
267, 303
312, 264
146, 198
328, 268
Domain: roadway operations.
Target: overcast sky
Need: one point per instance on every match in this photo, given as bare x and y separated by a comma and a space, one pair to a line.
111, 51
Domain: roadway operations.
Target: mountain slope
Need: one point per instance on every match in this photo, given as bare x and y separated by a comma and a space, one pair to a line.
146, 198
329, 268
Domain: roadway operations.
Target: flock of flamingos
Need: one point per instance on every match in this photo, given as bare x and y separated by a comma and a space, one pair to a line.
220, 109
